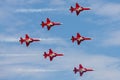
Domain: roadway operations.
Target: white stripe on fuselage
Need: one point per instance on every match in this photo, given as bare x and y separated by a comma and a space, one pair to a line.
79, 9
52, 55
79, 39
28, 40
82, 70
50, 24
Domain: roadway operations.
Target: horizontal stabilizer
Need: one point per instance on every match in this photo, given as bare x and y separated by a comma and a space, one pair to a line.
43, 24
45, 55
21, 40
73, 39
71, 9
75, 70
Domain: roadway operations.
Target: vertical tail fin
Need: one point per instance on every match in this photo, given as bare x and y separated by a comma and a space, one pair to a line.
43, 24
45, 55
71, 9
75, 70
73, 39
21, 40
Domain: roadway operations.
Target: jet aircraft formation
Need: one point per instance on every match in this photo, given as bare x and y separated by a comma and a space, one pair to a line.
49, 24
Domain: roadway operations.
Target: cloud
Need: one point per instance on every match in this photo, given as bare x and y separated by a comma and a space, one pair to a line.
37, 10
10, 39
33, 65
58, 2
17, 55
32, 70
107, 9
100, 63
22, 2
58, 41
104, 12
27, 64
12, 59
20, 71
49, 41
113, 39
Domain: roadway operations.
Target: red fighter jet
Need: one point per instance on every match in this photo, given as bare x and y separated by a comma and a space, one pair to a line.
79, 38
81, 70
49, 24
78, 9
28, 40
51, 55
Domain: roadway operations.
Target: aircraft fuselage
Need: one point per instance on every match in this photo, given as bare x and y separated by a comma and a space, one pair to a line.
82, 70
52, 55
28, 40
50, 24
80, 39
79, 9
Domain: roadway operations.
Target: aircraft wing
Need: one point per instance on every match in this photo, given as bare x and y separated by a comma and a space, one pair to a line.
80, 66
78, 42
77, 13
26, 36
51, 58
81, 73
50, 51
48, 20
27, 44
48, 27
78, 35
77, 5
